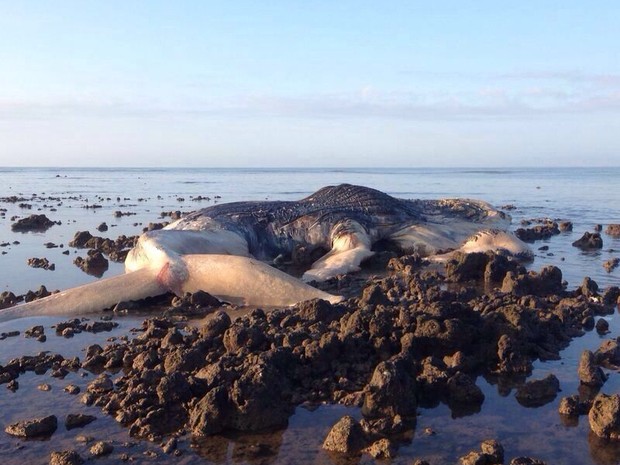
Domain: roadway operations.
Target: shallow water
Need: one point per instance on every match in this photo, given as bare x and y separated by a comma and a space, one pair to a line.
585, 197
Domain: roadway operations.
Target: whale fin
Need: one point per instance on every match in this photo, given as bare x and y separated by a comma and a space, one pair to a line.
246, 281
92, 297
350, 246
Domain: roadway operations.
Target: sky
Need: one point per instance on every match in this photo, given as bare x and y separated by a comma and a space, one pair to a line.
309, 83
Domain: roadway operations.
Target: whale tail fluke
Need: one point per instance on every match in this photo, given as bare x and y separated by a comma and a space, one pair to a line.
92, 297
234, 279
246, 281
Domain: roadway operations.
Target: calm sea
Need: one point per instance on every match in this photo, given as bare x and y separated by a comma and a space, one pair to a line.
81, 199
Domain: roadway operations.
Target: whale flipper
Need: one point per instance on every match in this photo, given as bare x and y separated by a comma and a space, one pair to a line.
91, 297
350, 246
246, 281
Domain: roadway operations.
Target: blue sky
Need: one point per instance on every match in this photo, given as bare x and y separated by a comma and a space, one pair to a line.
292, 83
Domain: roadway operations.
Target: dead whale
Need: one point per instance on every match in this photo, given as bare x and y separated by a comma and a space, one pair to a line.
224, 249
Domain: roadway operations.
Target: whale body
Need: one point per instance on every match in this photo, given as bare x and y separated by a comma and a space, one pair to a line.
224, 249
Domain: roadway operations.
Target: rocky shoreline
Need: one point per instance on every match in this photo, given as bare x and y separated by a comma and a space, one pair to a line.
414, 338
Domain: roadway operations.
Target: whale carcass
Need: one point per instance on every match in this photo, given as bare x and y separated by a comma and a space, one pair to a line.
225, 249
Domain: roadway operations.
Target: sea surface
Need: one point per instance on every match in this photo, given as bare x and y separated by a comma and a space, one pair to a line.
83, 198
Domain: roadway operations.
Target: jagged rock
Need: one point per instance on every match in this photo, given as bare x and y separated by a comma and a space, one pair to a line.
589, 241
604, 416
101, 448
66, 457
611, 264
590, 374
538, 392
78, 420
346, 437
613, 230
391, 390
33, 223
33, 428
526, 461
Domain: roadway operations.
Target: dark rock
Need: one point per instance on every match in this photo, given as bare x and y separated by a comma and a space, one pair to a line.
463, 390
381, 449
612, 264
602, 326
590, 374
566, 226
80, 239
374, 295
95, 264
33, 223
391, 390
41, 263
538, 232
613, 230
346, 437
66, 457
611, 296
465, 267
102, 227
574, 406
78, 420
101, 448
608, 354
204, 299
493, 450
589, 241
526, 461
210, 413
538, 392
548, 281
33, 428
604, 416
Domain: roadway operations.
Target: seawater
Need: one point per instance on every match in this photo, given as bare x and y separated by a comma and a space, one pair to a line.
586, 197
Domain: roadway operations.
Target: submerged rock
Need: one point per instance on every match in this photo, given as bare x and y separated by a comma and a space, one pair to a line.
538, 392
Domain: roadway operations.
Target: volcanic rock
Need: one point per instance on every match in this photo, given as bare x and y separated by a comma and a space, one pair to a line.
33, 428
66, 457
346, 437
590, 374
33, 223
538, 392
589, 241
604, 416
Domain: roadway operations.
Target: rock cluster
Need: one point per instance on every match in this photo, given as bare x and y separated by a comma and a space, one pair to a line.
404, 342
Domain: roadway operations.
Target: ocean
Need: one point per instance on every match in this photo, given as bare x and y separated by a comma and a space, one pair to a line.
83, 198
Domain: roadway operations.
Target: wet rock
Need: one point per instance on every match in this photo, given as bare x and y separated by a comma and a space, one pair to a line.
611, 296
204, 299
391, 390
608, 354
78, 420
542, 231
493, 450
464, 267
590, 374
41, 263
604, 416
33, 428
381, 449
613, 230
95, 264
538, 392
101, 448
589, 241
548, 281
574, 406
34, 332
566, 226
462, 390
66, 457
346, 437
602, 326
526, 461
612, 264
102, 227
33, 223
209, 415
